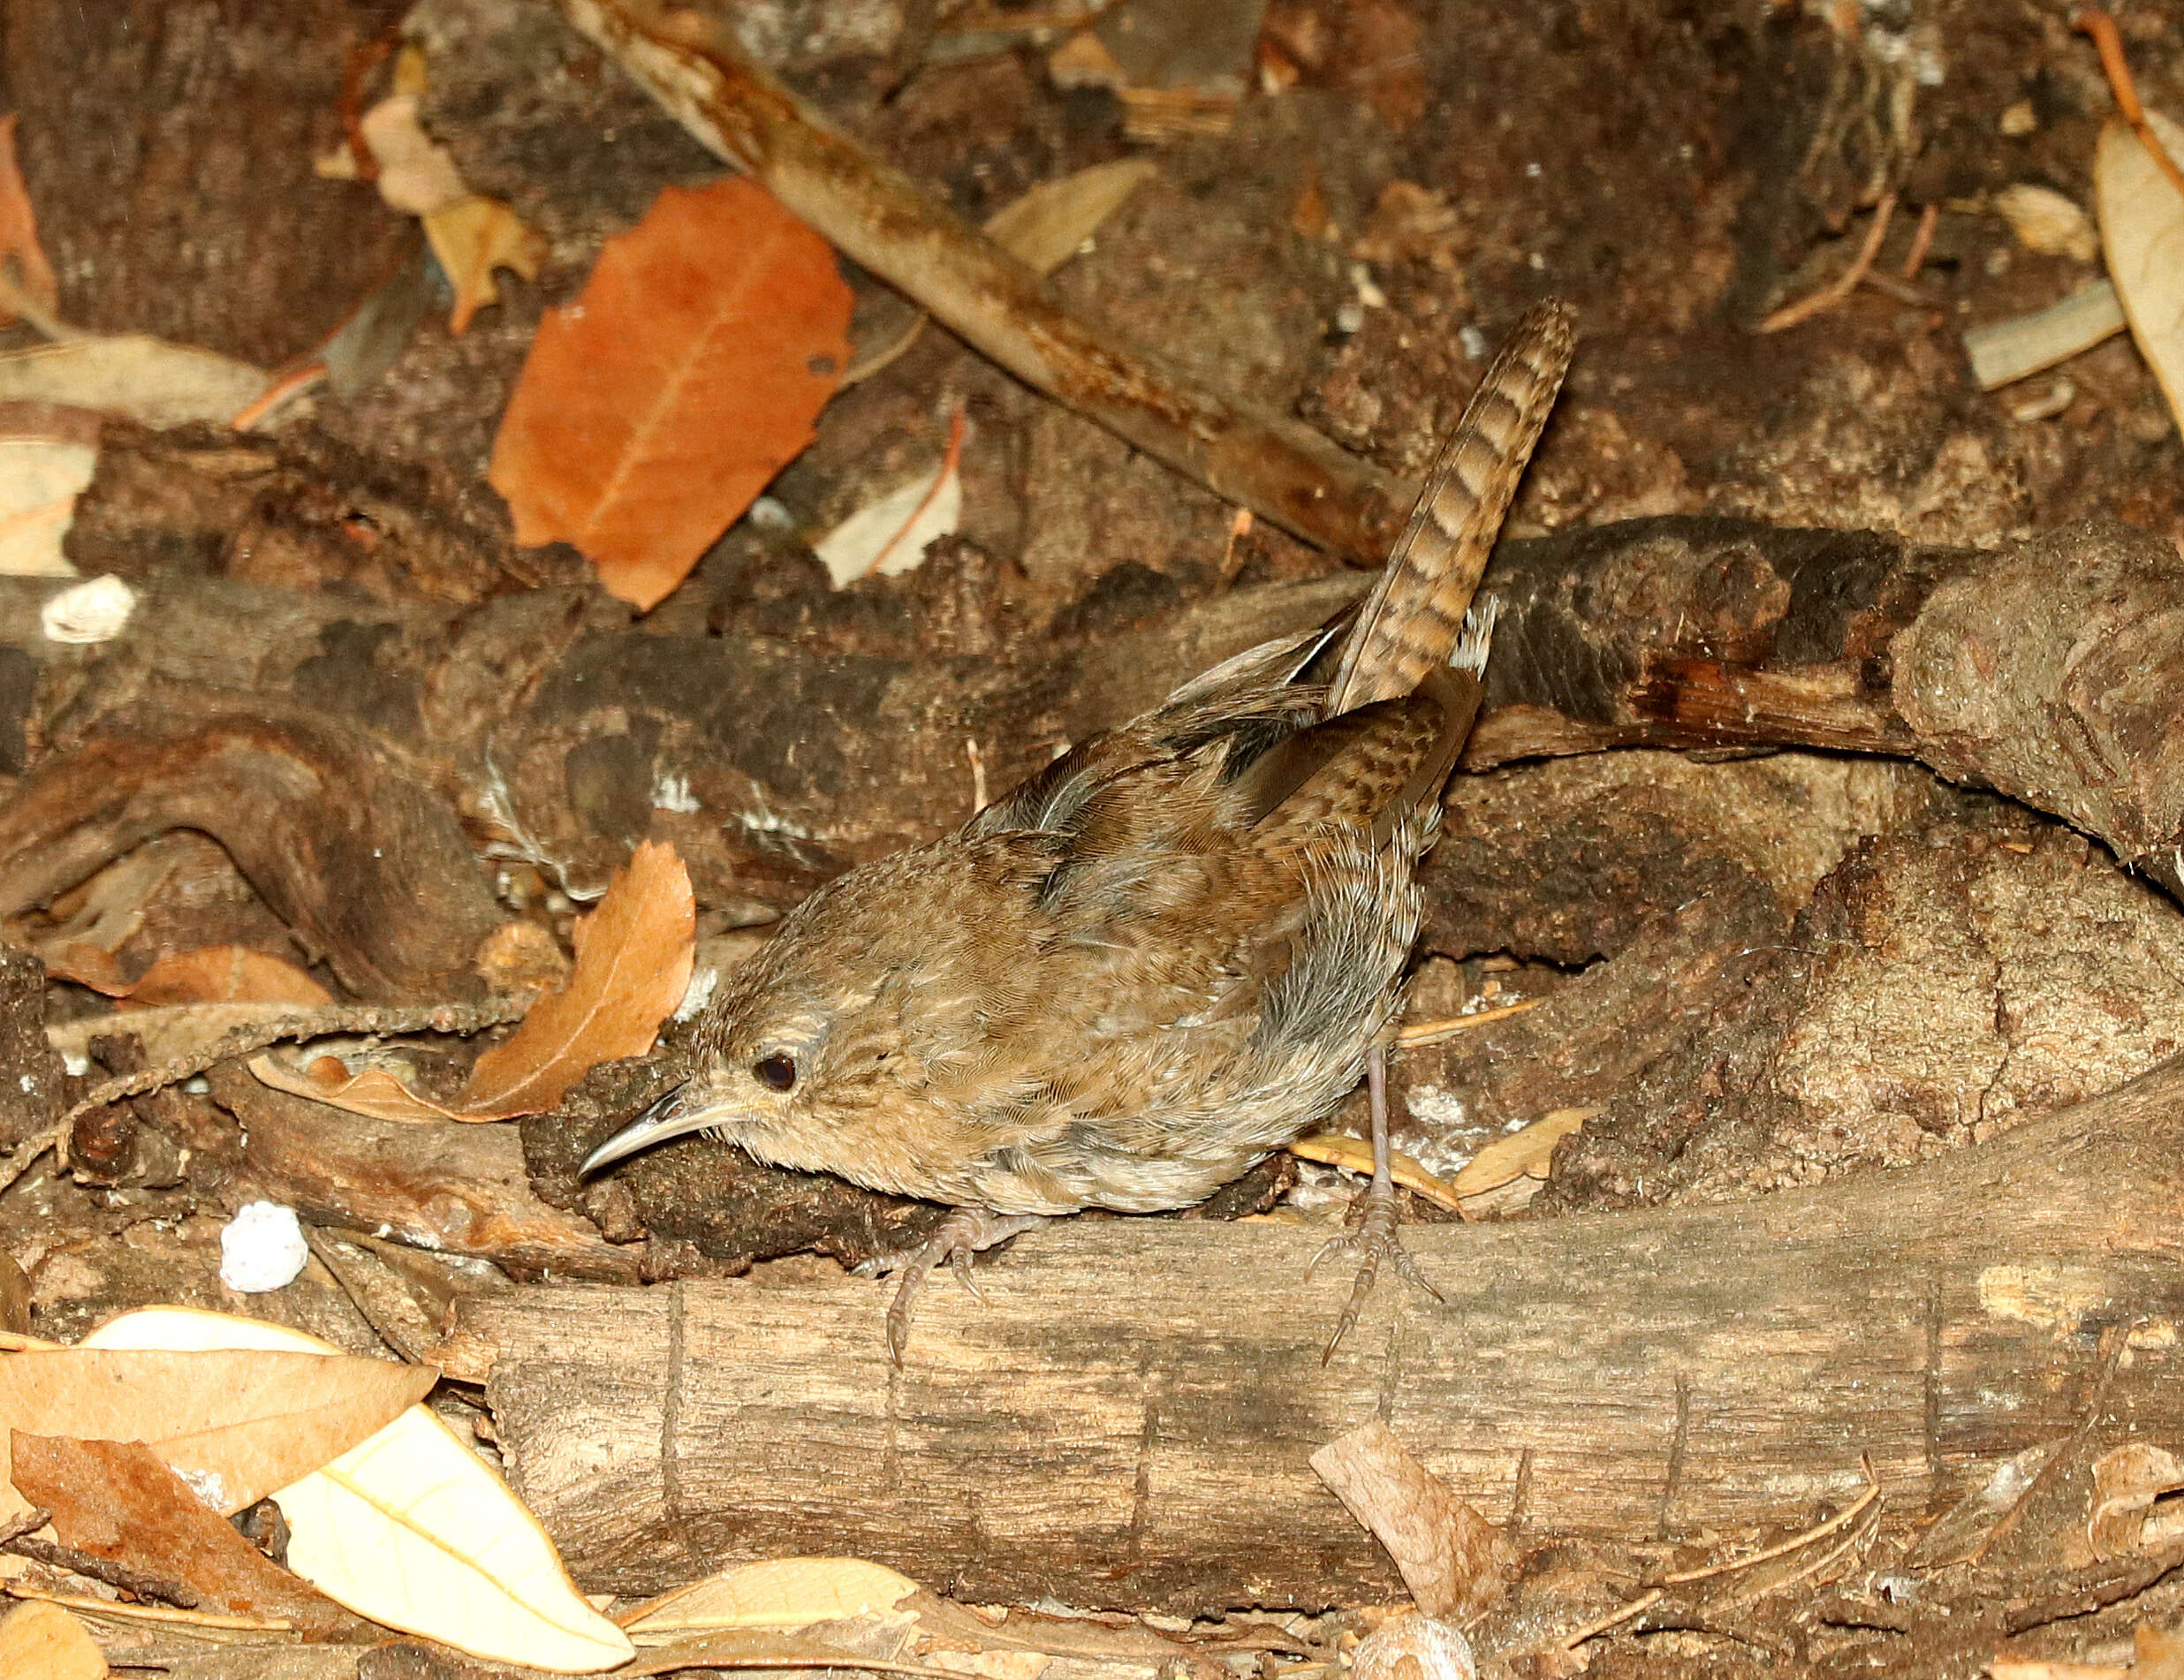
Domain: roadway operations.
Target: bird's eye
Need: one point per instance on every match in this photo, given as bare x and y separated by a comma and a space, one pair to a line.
777, 1071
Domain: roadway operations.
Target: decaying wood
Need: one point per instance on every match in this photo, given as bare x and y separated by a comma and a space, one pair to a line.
1128, 1416
563, 737
331, 828
2022, 668
877, 214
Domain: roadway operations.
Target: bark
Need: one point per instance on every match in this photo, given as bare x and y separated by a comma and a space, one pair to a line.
1127, 1417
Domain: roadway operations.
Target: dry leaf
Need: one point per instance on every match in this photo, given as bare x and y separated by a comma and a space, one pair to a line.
1456, 1563
44, 1642
1415, 1647
1520, 1153
2141, 216
411, 1528
472, 239
2045, 221
634, 957
115, 1500
2126, 1484
633, 966
785, 1592
417, 175
889, 536
40, 480
226, 974
235, 1426
371, 1091
1049, 224
30, 273
654, 410
1355, 1155
148, 379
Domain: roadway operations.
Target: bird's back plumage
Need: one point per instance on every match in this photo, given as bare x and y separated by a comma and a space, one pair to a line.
1172, 949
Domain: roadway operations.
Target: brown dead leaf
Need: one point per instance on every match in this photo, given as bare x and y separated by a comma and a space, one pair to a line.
654, 410
473, 237
32, 273
226, 974
411, 1527
1456, 1563
2126, 1484
115, 1499
374, 1091
44, 1642
632, 966
235, 1426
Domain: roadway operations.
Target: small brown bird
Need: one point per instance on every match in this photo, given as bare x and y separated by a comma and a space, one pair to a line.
1165, 955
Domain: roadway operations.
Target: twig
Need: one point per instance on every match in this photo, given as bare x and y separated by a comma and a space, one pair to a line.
2109, 44
1420, 1032
101, 1569
24, 1522
1638, 1606
1845, 282
1278, 468
1841, 1519
1921, 242
344, 1017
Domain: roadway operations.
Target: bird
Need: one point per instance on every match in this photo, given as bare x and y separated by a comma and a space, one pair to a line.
1168, 953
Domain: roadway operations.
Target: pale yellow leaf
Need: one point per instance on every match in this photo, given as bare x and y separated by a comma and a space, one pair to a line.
783, 1592
412, 1528
1520, 1153
1048, 224
40, 480
417, 175
234, 1425
44, 1642
888, 536
2141, 216
146, 379
1355, 1155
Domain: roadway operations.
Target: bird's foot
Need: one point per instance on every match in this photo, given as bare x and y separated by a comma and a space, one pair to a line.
1373, 1236
955, 1240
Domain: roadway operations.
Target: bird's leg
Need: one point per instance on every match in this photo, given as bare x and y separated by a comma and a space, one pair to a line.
1373, 1234
957, 1238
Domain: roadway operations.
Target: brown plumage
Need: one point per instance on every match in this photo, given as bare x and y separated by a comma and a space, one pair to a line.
1167, 954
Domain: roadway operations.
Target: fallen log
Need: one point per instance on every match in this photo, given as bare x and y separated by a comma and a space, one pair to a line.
1127, 1417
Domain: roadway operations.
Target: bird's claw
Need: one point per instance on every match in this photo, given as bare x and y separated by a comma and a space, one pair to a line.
955, 1240
1372, 1235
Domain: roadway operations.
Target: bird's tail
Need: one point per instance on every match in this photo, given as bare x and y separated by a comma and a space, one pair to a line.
1410, 622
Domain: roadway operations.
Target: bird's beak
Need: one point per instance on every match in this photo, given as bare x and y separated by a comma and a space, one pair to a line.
677, 1115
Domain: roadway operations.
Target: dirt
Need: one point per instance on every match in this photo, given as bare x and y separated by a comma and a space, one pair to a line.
1752, 970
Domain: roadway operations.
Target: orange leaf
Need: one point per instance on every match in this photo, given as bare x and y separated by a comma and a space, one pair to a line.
632, 966
227, 975
653, 411
18, 227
